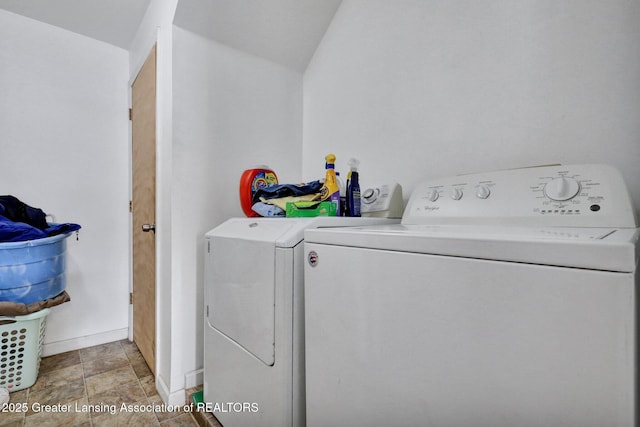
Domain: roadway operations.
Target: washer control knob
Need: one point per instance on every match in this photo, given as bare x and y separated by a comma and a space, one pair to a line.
483, 192
370, 195
562, 188
456, 193
432, 195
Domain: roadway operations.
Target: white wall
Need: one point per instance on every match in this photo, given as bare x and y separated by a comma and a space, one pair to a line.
64, 148
425, 88
231, 110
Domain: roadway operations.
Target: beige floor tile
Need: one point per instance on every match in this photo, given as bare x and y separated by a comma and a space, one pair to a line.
139, 365
14, 417
103, 351
57, 377
149, 385
59, 361
19, 396
164, 416
128, 346
62, 394
126, 393
109, 380
131, 416
184, 420
109, 363
206, 419
41, 381
53, 416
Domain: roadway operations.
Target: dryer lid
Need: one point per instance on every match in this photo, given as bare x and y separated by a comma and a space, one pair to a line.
270, 230
284, 232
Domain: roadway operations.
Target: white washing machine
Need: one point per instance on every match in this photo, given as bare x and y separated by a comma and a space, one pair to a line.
502, 299
254, 330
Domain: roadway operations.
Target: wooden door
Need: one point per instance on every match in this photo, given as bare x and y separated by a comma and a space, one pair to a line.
143, 208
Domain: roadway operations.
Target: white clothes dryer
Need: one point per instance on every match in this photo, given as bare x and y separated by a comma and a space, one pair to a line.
254, 326
502, 299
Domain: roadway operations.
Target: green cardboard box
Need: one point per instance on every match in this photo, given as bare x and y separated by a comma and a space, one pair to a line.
311, 209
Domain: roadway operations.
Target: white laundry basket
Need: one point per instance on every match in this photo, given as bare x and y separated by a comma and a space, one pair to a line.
21, 340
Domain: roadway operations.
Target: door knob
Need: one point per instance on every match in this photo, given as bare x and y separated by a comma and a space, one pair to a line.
148, 227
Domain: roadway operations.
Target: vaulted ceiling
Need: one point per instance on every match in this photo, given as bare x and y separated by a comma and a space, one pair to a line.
284, 31
111, 21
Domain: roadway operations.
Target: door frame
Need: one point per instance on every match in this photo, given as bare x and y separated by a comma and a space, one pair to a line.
165, 372
132, 79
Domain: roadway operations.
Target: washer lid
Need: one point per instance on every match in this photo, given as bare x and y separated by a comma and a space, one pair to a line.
591, 248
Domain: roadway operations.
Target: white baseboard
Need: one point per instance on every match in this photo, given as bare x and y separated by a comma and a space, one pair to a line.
51, 348
162, 389
177, 398
193, 379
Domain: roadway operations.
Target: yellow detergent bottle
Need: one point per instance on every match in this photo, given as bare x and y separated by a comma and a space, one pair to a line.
330, 190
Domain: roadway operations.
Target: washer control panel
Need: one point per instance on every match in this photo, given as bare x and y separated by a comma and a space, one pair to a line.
590, 195
382, 201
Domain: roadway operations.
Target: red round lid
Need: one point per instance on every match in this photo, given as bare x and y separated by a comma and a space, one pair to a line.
250, 182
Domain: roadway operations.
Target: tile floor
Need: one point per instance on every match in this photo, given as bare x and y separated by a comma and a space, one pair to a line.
92, 384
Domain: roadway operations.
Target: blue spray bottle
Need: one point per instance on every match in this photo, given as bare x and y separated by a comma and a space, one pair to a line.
353, 189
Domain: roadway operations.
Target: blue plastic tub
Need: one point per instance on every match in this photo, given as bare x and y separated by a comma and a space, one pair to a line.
33, 270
